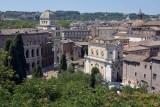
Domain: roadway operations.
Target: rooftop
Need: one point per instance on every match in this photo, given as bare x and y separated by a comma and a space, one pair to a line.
22, 31
152, 23
135, 58
135, 48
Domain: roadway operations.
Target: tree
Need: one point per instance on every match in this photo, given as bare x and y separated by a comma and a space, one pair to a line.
6, 73
7, 44
6, 47
94, 71
63, 63
18, 61
64, 23
70, 68
37, 72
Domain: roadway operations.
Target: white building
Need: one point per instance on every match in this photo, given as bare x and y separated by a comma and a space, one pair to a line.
106, 55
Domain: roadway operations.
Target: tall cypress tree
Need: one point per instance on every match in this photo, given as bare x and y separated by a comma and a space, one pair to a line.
18, 43
94, 71
63, 63
18, 61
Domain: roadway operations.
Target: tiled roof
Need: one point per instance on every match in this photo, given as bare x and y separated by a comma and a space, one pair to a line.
149, 43
24, 30
135, 58
156, 58
135, 48
153, 22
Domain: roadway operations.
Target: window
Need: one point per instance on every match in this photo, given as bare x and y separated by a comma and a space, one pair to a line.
153, 88
150, 67
137, 82
91, 64
145, 66
144, 75
92, 52
101, 67
97, 52
154, 76
135, 74
110, 52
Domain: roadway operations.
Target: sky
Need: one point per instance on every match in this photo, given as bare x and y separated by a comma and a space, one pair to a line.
123, 6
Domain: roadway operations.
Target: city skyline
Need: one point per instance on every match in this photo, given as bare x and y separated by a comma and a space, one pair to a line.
124, 6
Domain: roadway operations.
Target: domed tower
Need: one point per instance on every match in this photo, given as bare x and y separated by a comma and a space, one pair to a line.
47, 18
140, 15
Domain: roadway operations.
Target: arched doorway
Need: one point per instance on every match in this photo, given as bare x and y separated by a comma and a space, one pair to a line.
33, 65
27, 54
32, 52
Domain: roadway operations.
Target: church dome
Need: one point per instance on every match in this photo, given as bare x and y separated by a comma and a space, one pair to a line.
47, 15
137, 23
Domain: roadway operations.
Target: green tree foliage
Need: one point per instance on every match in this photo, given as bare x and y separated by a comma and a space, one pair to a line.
72, 91
18, 60
37, 72
70, 68
7, 44
94, 71
14, 24
63, 63
6, 73
64, 23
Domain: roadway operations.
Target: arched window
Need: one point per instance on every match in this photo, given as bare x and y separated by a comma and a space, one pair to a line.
32, 52
27, 54
38, 62
37, 52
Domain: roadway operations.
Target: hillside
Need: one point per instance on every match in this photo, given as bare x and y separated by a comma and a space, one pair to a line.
68, 15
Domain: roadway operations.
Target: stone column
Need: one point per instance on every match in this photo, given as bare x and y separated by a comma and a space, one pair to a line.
35, 52
39, 51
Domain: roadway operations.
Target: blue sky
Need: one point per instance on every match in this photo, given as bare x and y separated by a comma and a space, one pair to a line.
125, 6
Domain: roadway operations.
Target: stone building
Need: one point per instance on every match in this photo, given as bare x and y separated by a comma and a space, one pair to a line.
75, 35
147, 48
48, 23
139, 70
33, 40
105, 54
70, 49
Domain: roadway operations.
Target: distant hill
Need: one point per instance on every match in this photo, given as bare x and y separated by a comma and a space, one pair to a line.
69, 15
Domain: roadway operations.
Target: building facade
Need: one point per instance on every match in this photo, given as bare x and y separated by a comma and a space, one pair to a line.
75, 35
107, 57
142, 70
33, 40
